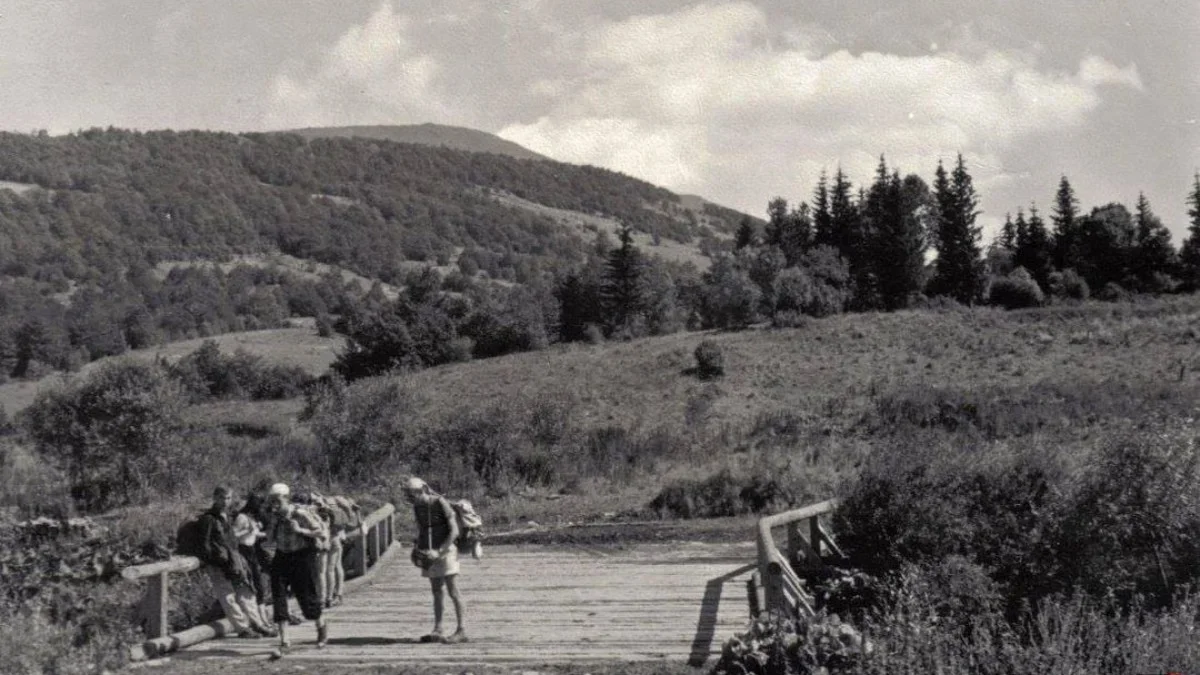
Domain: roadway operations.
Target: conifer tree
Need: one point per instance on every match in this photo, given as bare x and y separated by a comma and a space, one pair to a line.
958, 270
1153, 255
623, 298
1007, 239
823, 234
1189, 254
899, 233
844, 215
1034, 250
1066, 226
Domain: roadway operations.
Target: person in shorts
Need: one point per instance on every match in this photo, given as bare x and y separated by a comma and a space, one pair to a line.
435, 551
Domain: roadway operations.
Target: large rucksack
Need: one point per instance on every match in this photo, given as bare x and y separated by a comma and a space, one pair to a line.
189, 538
470, 527
345, 513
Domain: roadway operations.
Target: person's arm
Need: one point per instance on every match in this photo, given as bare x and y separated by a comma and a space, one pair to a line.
242, 526
307, 528
452, 537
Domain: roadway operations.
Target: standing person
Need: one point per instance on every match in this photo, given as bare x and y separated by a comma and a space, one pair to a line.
435, 550
248, 529
295, 531
332, 572
227, 570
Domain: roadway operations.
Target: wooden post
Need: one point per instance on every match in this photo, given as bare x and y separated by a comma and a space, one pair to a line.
814, 538
794, 545
775, 595
155, 607
363, 563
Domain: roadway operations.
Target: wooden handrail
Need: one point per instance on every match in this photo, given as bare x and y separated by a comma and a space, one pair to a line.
782, 590
363, 548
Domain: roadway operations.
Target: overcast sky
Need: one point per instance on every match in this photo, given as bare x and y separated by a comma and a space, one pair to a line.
734, 100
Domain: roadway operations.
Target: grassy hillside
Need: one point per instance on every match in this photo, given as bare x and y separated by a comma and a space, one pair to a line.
458, 138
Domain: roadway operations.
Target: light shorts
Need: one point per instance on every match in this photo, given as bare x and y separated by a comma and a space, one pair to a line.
444, 566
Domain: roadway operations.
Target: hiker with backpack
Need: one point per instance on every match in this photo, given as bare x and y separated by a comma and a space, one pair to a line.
342, 515
230, 575
299, 536
435, 551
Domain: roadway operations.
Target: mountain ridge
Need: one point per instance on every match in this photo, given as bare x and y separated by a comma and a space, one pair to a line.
428, 133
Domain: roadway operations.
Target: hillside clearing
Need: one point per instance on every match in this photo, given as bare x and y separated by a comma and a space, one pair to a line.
296, 346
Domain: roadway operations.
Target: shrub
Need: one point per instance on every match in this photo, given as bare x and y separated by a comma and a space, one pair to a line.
710, 360
1114, 292
114, 433
1016, 291
720, 495
1069, 285
729, 298
361, 427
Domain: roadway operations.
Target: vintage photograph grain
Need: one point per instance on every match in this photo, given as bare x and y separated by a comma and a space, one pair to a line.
519, 337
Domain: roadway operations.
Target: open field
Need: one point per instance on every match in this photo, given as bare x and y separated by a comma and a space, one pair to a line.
296, 346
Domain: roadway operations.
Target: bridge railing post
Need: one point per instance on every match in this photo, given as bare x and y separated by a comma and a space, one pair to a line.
154, 605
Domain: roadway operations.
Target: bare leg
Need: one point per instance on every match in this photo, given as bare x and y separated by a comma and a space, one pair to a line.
452, 589
438, 604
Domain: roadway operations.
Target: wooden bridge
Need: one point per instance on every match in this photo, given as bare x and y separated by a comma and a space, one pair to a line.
536, 604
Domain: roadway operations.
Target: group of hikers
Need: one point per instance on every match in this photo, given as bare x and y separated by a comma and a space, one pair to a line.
281, 544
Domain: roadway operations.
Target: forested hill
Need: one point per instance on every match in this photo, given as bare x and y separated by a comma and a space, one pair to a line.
115, 197
92, 225
458, 138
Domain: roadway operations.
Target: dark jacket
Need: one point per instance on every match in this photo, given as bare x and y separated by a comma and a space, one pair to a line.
220, 546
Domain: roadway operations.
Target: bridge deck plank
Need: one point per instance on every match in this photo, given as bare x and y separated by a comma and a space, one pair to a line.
539, 604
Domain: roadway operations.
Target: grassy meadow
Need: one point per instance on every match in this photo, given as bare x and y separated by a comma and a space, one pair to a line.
626, 430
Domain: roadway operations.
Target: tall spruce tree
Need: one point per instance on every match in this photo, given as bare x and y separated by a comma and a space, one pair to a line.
623, 296
1189, 254
1066, 226
844, 215
1007, 239
1153, 255
900, 241
1034, 251
958, 270
823, 234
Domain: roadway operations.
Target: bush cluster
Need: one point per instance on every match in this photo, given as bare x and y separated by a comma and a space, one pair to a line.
208, 374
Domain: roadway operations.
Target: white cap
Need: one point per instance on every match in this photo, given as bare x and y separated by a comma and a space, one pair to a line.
280, 490
414, 484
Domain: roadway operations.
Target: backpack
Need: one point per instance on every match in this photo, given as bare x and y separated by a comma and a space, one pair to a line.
470, 525
189, 538
322, 540
345, 513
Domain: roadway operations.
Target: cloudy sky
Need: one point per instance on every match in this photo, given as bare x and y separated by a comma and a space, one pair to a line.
735, 100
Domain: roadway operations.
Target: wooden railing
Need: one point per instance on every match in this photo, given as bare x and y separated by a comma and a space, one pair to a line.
776, 588
362, 550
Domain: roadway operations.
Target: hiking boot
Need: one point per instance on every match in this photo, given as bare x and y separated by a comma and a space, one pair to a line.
322, 636
459, 637
267, 631
433, 638
295, 619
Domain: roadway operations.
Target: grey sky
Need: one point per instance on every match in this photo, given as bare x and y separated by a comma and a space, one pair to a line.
737, 101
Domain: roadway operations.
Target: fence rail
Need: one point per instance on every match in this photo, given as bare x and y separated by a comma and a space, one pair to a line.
362, 551
775, 585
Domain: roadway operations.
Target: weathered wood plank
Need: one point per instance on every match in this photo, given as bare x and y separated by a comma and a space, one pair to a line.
543, 604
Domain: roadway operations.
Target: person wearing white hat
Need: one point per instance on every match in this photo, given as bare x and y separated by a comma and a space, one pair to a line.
434, 550
295, 532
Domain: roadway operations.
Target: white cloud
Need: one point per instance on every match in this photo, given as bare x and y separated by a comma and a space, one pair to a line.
709, 95
373, 73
